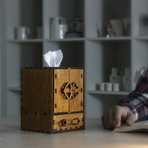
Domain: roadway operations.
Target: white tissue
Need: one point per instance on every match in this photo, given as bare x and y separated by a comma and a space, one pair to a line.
53, 58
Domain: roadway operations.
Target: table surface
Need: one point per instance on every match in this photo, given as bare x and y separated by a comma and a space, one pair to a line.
94, 136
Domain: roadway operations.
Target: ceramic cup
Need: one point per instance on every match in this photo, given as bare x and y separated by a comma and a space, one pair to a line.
59, 31
108, 86
22, 33
115, 86
102, 86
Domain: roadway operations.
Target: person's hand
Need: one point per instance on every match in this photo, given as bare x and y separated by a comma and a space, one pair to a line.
116, 116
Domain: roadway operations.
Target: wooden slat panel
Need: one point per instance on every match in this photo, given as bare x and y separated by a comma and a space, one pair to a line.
60, 102
36, 99
76, 75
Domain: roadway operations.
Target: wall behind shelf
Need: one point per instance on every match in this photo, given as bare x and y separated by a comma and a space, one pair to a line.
97, 105
0, 57
138, 8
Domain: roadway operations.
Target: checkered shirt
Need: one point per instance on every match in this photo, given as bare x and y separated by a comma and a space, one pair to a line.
137, 100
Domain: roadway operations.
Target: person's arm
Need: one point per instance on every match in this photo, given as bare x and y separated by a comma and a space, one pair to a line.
132, 108
137, 104
136, 101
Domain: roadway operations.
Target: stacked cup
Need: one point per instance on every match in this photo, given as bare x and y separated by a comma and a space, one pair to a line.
126, 80
115, 79
105, 86
22, 32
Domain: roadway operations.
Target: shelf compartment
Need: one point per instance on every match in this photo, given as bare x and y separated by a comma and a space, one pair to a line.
102, 57
23, 13
97, 92
73, 52
103, 12
57, 8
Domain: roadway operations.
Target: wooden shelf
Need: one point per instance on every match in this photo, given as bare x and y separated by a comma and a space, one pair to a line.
97, 92
14, 89
74, 39
26, 41
110, 39
66, 40
142, 38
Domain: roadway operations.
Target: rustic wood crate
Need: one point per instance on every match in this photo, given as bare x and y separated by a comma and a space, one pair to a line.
52, 99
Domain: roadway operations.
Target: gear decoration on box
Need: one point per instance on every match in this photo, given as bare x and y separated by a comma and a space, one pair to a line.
69, 90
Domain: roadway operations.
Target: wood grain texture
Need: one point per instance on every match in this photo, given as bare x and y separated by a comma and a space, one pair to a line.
36, 99
42, 99
62, 76
77, 77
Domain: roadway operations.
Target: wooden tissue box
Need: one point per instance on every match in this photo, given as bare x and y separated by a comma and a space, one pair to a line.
52, 99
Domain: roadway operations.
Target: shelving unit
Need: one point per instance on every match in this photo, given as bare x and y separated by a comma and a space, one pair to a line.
96, 54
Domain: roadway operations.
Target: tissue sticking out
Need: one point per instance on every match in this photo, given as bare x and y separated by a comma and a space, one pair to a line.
53, 58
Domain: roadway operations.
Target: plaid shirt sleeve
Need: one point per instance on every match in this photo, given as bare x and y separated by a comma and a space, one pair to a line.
136, 101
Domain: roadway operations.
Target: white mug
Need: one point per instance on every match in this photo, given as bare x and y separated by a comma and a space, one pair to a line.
59, 31
116, 87
58, 27
22, 32
105, 86
102, 86
108, 86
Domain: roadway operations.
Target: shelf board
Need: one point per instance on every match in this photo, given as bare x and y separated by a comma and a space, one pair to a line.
110, 39
142, 38
14, 89
26, 41
97, 92
66, 40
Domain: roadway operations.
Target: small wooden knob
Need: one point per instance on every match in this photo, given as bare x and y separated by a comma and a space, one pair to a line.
75, 121
63, 122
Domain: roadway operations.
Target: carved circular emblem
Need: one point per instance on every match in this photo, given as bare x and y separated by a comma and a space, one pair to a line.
69, 90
